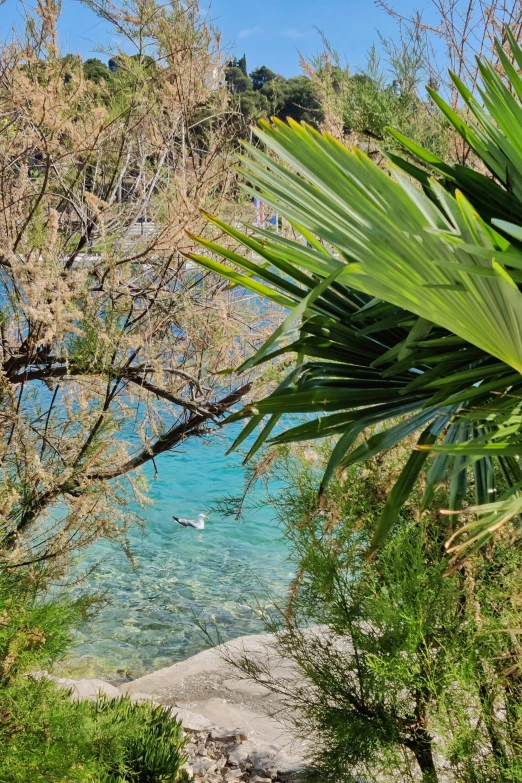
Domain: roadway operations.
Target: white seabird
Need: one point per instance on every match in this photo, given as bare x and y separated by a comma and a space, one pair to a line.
198, 523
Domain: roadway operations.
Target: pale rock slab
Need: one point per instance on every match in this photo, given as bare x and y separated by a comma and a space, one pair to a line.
82, 690
228, 735
192, 721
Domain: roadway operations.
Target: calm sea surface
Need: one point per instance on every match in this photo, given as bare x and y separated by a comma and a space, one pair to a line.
220, 575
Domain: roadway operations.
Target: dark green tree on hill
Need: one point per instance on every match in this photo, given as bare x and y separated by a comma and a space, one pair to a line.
240, 64
94, 70
299, 101
254, 106
265, 93
236, 80
260, 76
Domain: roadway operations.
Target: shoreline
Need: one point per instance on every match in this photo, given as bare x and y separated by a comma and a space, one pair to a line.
228, 718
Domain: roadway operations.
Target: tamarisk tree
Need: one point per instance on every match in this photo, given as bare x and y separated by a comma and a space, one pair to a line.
109, 342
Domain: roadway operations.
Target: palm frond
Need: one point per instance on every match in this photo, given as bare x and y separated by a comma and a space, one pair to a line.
404, 302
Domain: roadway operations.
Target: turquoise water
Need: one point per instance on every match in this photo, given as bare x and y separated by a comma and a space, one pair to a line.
221, 575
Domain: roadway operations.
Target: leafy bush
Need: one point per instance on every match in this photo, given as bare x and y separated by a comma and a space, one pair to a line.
34, 629
360, 106
45, 736
409, 673
148, 742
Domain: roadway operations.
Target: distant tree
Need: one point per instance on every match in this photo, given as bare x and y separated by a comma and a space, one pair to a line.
71, 64
359, 78
300, 101
144, 59
267, 93
236, 80
94, 70
260, 76
254, 106
242, 65
275, 91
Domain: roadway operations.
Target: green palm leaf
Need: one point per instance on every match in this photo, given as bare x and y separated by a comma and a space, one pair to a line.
404, 303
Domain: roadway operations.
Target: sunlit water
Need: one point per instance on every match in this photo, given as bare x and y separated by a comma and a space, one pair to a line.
220, 575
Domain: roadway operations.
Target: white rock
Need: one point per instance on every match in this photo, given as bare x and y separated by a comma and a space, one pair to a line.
192, 721
85, 689
202, 750
229, 735
239, 754
234, 774
204, 764
260, 753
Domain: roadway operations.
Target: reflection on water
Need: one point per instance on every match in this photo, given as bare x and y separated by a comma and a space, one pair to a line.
217, 575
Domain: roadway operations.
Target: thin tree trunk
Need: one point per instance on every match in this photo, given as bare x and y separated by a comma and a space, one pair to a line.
422, 749
420, 743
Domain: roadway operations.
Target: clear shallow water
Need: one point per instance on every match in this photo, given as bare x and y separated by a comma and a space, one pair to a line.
218, 575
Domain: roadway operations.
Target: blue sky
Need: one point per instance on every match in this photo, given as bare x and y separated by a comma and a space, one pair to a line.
271, 32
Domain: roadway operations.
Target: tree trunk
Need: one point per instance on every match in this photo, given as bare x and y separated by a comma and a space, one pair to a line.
420, 742
421, 746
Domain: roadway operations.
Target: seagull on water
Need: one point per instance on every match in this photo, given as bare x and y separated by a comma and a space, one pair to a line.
198, 524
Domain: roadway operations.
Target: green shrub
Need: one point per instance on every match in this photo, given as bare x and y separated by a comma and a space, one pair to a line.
34, 629
47, 738
410, 673
149, 743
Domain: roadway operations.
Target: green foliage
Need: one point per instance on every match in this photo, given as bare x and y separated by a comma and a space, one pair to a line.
299, 101
147, 743
386, 91
403, 668
95, 70
405, 302
275, 91
236, 80
240, 64
33, 629
265, 94
145, 60
45, 736
254, 106
260, 76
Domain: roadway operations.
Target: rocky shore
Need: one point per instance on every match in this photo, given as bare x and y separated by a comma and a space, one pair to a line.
223, 755
231, 735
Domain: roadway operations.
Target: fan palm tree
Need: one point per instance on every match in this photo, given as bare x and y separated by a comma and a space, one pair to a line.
405, 302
